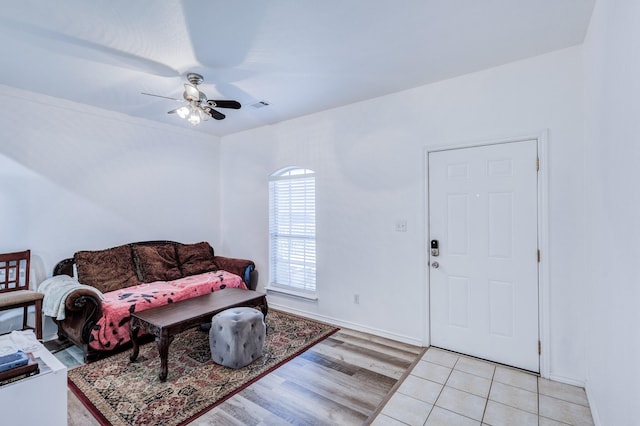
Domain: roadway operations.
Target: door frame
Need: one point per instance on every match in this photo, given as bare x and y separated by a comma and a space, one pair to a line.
542, 138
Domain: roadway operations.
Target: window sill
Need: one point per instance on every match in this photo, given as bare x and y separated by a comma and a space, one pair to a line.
302, 295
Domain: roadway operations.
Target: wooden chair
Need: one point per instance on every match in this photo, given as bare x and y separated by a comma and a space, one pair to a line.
14, 287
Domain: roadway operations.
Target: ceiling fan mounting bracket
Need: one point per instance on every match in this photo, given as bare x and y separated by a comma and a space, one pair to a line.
194, 78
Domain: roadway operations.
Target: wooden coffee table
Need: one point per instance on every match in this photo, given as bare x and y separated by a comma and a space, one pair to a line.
164, 322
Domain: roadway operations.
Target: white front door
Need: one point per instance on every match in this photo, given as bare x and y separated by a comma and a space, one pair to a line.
484, 283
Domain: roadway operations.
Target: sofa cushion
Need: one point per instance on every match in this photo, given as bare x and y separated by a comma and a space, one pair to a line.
196, 258
157, 262
107, 270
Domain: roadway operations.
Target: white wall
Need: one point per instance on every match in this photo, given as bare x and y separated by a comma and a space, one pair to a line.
75, 177
612, 174
370, 173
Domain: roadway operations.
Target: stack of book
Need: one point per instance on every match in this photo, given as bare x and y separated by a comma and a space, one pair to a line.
17, 365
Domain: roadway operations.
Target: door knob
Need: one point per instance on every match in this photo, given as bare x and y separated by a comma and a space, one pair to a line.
435, 265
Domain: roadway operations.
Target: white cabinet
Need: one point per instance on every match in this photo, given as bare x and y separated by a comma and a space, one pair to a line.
37, 400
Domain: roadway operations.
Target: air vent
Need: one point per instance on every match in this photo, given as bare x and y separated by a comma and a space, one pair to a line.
260, 104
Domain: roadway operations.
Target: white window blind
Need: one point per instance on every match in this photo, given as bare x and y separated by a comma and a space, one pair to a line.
292, 229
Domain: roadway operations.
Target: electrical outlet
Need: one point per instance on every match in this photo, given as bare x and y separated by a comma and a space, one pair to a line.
356, 299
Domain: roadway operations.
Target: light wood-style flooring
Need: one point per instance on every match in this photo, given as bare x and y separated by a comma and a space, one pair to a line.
342, 380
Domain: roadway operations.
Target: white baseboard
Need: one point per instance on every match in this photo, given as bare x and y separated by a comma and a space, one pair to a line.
592, 406
350, 325
567, 380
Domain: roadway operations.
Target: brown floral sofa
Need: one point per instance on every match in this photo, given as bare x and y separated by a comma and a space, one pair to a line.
108, 285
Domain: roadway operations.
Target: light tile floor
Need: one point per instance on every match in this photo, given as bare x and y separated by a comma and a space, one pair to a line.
446, 388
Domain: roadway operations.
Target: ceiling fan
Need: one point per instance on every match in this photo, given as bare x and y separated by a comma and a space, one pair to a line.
199, 108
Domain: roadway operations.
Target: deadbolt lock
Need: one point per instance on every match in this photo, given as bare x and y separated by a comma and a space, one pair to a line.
435, 250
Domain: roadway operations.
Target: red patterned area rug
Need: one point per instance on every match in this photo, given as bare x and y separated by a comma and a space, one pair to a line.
118, 392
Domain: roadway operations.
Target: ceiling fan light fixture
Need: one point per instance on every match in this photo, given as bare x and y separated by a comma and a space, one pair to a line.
194, 117
183, 112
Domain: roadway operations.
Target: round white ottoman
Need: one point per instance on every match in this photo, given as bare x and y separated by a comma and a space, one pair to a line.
237, 336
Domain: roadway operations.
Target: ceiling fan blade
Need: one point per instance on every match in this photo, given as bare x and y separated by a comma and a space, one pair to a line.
160, 96
191, 92
213, 113
226, 104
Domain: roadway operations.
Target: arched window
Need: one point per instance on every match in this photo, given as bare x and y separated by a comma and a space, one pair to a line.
292, 231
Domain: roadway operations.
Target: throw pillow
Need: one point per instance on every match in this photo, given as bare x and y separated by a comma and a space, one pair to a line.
196, 258
107, 270
157, 262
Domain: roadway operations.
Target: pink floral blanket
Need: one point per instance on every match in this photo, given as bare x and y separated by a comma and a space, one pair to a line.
112, 330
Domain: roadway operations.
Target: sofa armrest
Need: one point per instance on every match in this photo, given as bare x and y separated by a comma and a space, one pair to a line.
83, 309
242, 267
77, 299
64, 267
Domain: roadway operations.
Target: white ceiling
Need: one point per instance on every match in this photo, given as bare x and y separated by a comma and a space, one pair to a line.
300, 56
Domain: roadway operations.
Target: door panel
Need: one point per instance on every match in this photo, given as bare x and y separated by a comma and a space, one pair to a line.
483, 212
